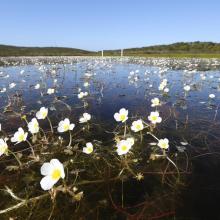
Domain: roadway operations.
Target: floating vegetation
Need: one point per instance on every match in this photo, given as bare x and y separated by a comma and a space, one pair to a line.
113, 138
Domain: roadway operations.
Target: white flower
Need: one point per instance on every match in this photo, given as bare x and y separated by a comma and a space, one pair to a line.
19, 136
154, 117
3, 90
124, 146
163, 143
166, 90
22, 71
122, 115
37, 86
86, 84
3, 147
42, 113
50, 91
212, 96
12, 85
33, 126
88, 149
155, 102
163, 84
86, 117
82, 95
52, 171
65, 125
137, 125
130, 140
186, 88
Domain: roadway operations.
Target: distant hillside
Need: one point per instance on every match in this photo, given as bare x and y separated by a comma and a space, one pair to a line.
6, 50
182, 49
176, 48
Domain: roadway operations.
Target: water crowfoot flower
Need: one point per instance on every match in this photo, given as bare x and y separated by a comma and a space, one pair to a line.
155, 102
154, 117
65, 125
124, 146
163, 84
33, 126
42, 113
122, 115
19, 136
211, 96
85, 118
37, 86
88, 149
82, 95
186, 88
50, 91
3, 147
52, 171
12, 85
163, 143
137, 125
166, 90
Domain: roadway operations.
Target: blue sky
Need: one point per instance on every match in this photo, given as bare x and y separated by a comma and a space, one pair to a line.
107, 24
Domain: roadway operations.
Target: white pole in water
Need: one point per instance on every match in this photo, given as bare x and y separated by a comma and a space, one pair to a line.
102, 53
121, 52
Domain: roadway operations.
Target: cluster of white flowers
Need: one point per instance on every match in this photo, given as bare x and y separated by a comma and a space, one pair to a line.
163, 85
53, 170
82, 95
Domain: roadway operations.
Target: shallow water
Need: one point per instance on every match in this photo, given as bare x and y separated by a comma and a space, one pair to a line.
190, 120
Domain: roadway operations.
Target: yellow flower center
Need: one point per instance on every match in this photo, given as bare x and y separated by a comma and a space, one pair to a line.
3, 149
66, 127
138, 127
89, 149
56, 174
124, 148
21, 137
44, 114
154, 118
164, 145
122, 117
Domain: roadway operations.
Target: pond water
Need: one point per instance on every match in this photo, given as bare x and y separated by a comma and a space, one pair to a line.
181, 182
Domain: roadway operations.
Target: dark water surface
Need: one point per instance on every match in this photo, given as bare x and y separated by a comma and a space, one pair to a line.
190, 120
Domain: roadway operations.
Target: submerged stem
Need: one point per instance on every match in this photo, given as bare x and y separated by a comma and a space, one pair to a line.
32, 148
19, 162
174, 166
70, 142
51, 127
125, 130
